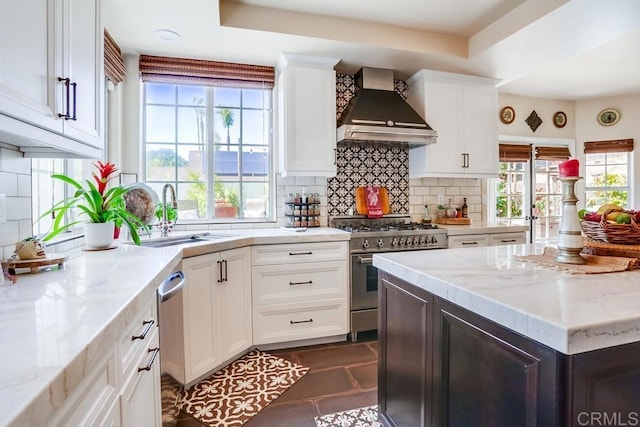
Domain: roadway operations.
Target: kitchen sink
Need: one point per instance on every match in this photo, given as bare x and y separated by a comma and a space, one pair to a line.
182, 240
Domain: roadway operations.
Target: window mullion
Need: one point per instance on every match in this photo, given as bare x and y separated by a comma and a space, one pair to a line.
210, 150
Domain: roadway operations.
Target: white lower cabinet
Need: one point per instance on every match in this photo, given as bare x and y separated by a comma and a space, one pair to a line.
299, 291
480, 240
209, 322
123, 389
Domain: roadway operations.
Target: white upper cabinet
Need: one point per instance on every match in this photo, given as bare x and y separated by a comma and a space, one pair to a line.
50, 73
306, 115
463, 110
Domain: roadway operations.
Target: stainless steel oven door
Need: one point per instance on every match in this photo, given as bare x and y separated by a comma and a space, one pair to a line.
364, 282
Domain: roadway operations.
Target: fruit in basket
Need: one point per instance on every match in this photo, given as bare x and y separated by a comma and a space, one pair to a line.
608, 207
623, 218
592, 216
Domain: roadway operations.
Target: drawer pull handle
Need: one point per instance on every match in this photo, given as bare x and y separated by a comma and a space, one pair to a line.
155, 352
300, 253
148, 324
508, 240
293, 322
308, 282
469, 243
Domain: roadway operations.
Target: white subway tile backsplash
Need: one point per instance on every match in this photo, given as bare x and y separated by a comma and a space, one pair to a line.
9, 233
452, 191
24, 185
18, 208
305, 180
422, 191
445, 182
12, 161
9, 184
26, 228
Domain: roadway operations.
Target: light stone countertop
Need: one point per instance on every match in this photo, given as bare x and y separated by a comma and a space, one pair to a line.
55, 325
572, 313
481, 228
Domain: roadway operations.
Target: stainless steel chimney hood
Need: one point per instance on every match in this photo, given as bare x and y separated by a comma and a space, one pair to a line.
377, 114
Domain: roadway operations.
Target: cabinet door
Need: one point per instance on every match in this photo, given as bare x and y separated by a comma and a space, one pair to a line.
481, 129
141, 400
83, 64
200, 315
404, 363
487, 375
233, 301
28, 32
443, 110
307, 121
501, 239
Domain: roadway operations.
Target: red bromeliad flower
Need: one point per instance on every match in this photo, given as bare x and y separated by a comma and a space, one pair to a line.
105, 170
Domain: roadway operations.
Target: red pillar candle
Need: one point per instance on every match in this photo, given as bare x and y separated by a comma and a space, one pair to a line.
570, 167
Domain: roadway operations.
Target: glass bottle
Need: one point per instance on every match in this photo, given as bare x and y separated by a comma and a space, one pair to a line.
465, 208
450, 211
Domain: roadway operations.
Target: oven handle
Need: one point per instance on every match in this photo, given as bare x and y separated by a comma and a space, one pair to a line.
365, 260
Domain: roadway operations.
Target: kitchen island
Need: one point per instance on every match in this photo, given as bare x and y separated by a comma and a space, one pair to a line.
475, 337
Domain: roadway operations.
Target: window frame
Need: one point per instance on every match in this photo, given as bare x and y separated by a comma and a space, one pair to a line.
605, 188
210, 147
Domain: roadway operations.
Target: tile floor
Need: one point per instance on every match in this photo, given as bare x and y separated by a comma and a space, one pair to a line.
342, 376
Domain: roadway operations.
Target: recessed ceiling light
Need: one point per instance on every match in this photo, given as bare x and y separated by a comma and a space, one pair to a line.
167, 35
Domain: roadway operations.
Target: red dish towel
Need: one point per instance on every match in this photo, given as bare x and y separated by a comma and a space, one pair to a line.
374, 203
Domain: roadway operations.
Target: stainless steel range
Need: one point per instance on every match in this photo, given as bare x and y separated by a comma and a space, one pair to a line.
370, 236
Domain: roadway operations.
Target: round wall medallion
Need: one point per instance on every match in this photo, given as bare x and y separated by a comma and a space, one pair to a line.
507, 115
559, 119
608, 117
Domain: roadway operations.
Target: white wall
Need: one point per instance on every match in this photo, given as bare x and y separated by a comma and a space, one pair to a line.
590, 130
15, 183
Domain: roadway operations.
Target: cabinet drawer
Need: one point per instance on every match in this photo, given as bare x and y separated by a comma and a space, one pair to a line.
299, 321
299, 252
468, 241
142, 328
278, 284
501, 239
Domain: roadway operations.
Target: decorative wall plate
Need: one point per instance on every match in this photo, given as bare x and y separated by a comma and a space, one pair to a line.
507, 115
559, 119
608, 117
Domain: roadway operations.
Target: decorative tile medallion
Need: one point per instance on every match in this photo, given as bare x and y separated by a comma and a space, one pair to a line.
360, 417
534, 120
362, 165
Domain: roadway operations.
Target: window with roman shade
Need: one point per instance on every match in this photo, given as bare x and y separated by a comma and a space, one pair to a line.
514, 152
552, 153
607, 172
207, 130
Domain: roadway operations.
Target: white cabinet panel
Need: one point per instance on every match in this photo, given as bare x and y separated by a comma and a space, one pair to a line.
299, 253
514, 238
463, 111
468, 241
306, 115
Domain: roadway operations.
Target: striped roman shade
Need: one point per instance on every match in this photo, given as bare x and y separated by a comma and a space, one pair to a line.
611, 146
552, 153
113, 63
162, 69
514, 152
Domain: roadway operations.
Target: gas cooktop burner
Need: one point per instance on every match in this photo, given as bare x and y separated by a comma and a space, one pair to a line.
363, 228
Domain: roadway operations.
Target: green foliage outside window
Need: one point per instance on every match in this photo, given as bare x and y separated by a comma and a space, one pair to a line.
608, 193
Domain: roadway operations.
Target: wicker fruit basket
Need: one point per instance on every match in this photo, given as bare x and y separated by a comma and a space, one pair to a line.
620, 234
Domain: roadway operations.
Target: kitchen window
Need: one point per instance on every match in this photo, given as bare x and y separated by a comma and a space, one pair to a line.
210, 137
607, 173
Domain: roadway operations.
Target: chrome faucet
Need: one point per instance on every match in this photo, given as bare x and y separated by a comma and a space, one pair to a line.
165, 222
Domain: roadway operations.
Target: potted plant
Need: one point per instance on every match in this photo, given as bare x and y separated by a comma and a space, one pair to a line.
103, 208
226, 201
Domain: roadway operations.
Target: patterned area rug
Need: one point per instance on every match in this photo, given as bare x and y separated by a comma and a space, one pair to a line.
360, 417
234, 394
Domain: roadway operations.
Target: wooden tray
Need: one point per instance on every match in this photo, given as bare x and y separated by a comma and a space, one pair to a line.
609, 249
34, 264
454, 221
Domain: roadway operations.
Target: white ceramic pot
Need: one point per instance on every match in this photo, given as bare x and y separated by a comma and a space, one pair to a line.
98, 235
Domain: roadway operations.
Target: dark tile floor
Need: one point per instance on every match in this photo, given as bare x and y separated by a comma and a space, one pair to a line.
342, 376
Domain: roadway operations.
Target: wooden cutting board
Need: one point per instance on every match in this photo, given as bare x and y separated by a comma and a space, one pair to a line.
361, 201
34, 264
454, 221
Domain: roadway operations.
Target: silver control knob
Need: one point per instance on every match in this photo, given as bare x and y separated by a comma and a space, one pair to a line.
402, 241
423, 240
434, 239
365, 243
394, 242
380, 243
409, 241
416, 240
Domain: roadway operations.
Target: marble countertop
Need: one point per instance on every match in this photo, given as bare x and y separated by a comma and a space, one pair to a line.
572, 313
55, 324
481, 228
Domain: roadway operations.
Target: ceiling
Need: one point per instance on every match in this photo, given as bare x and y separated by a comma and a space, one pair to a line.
560, 49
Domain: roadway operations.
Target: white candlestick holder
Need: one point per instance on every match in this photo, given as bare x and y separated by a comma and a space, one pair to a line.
570, 235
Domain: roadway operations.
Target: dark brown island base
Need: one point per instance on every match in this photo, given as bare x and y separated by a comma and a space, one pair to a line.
442, 365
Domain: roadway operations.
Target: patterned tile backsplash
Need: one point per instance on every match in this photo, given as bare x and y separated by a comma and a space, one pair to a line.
358, 165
